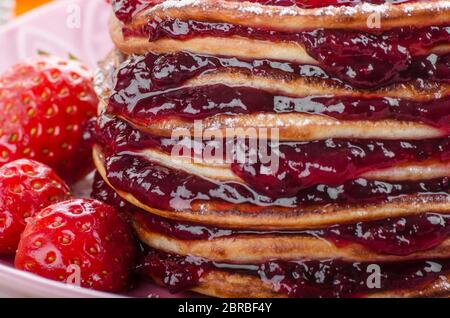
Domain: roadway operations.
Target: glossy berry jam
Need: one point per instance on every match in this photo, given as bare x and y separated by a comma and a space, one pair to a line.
302, 278
397, 236
394, 236
283, 169
335, 278
144, 93
152, 74
303, 165
201, 102
176, 273
361, 59
178, 190
126, 9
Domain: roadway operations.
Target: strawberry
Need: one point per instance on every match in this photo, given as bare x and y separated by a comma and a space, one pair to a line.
45, 103
26, 187
83, 237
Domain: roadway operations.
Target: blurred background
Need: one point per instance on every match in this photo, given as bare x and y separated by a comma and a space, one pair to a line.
48, 25
11, 8
25, 5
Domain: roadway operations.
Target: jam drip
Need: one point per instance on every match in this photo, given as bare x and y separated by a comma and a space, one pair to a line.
175, 272
177, 190
126, 9
361, 59
150, 75
283, 169
393, 236
302, 278
205, 101
336, 278
144, 92
332, 162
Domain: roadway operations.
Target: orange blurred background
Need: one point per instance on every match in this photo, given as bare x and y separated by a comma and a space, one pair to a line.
25, 5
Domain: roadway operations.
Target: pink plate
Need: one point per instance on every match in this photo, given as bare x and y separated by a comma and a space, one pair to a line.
63, 27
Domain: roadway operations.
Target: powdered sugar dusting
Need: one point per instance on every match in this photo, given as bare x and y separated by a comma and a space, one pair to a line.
260, 9
169, 4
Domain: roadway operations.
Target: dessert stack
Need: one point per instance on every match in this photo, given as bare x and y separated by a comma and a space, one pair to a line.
281, 148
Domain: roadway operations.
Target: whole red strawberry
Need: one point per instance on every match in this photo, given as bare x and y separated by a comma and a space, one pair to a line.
45, 104
26, 187
79, 237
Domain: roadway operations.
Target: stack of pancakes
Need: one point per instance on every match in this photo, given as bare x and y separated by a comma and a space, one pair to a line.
281, 148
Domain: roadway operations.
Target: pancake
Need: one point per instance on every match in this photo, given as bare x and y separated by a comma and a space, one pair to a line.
285, 19
246, 215
255, 249
357, 95
223, 284
248, 48
409, 171
296, 127
293, 126
224, 278
298, 165
364, 45
294, 18
275, 279
406, 238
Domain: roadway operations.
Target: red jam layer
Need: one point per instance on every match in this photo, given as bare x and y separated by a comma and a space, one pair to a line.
333, 162
302, 278
361, 59
126, 9
286, 168
394, 236
177, 190
144, 92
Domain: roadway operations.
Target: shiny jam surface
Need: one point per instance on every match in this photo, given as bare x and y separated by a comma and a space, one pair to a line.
175, 272
302, 278
148, 89
304, 165
395, 236
359, 58
126, 9
168, 189
285, 168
